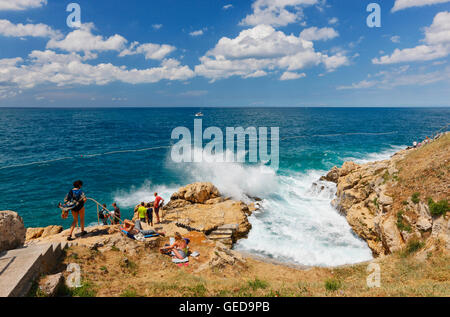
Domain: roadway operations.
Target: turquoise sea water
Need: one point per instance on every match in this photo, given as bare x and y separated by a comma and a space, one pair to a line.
42, 151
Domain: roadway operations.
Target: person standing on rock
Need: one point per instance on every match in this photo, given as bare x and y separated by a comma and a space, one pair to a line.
116, 217
158, 202
149, 214
142, 212
77, 196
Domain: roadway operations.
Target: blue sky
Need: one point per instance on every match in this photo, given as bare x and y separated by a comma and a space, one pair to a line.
224, 53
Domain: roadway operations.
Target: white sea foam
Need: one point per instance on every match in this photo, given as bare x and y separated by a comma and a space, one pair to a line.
145, 193
377, 156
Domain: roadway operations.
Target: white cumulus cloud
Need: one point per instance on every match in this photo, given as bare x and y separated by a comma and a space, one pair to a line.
405, 4
316, 34
260, 50
276, 12
149, 50
436, 44
82, 40
196, 33
401, 76
19, 5
49, 67
10, 29
292, 75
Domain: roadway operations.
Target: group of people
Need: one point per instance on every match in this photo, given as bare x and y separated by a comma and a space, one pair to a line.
76, 198
113, 216
145, 211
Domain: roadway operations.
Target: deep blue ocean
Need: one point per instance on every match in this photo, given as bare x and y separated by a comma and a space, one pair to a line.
123, 155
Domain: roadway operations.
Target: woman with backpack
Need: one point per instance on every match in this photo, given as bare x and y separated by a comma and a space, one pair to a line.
78, 198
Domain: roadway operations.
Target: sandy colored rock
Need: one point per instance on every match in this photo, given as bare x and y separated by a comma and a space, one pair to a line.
220, 257
424, 221
372, 195
392, 239
50, 284
12, 230
34, 233
51, 230
346, 168
332, 176
197, 193
205, 218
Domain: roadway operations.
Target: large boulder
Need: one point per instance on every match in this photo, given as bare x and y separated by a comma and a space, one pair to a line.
206, 218
12, 230
332, 176
197, 193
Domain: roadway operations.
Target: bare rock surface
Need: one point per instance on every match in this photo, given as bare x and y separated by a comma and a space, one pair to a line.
12, 230
50, 284
376, 197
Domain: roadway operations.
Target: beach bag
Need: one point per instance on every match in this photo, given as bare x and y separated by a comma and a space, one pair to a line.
75, 196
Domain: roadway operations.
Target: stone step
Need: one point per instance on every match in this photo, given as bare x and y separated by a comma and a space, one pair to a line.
215, 233
223, 231
229, 227
219, 236
20, 267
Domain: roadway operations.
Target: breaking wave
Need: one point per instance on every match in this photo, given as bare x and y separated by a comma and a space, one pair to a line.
296, 222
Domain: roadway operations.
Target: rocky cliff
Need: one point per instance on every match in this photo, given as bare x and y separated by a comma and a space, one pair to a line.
393, 202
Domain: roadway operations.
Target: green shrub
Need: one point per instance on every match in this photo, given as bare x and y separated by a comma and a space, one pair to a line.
385, 177
129, 292
375, 202
257, 284
86, 290
440, 208
401, 223
415, 198
412, 247
198, 290
332, 284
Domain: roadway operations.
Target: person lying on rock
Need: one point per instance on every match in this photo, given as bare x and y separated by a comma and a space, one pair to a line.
135, 229
179, 247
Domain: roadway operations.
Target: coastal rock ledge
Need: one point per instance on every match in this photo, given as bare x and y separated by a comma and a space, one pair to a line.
393, 202
200, 207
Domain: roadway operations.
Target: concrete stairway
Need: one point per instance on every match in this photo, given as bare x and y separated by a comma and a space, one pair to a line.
19, 268
226, 234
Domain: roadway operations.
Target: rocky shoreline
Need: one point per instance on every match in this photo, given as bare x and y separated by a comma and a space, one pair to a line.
391, 204
388, 205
